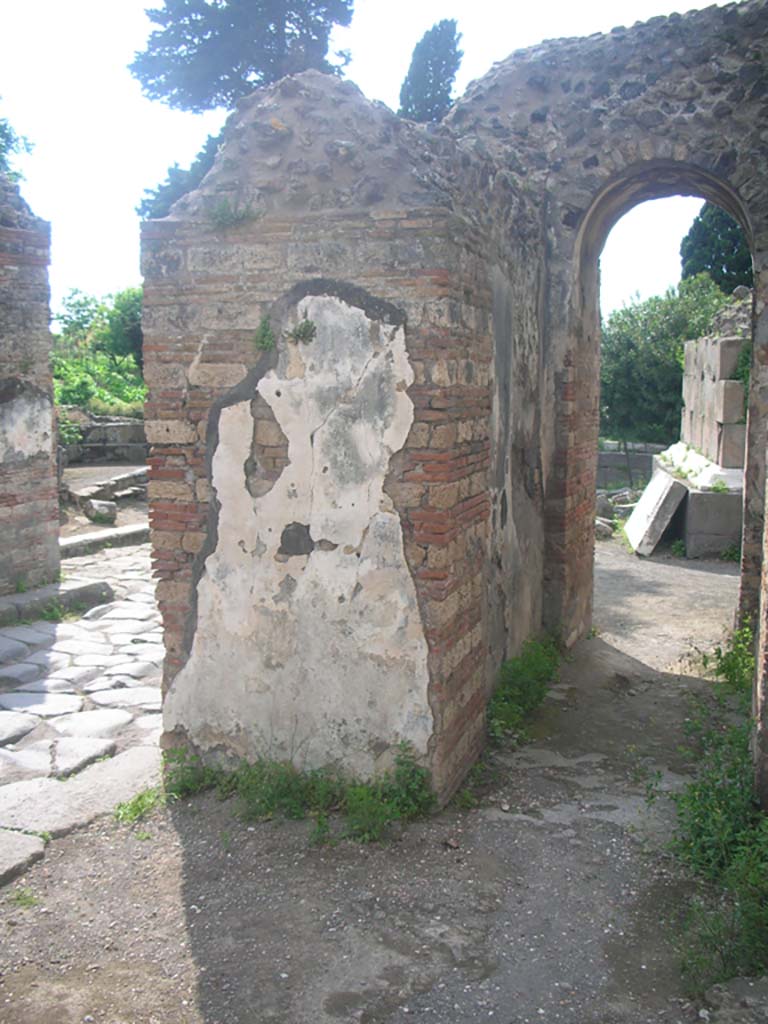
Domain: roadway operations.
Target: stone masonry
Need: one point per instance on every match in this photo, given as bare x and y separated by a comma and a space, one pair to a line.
355, 520
29, 511
714, 408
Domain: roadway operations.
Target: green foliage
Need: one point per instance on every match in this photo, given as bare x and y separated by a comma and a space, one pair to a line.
276, 789
522, 686
425, 94
11, 144
139, 806
69, 431
722, 835
715, 245
228, 215
96, 358
732, 553
642, 356
210, 53
719, 487
157, 202
305, 331
264, 338
23, 897
677, 548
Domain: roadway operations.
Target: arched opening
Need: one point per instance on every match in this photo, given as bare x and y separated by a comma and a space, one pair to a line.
651, 180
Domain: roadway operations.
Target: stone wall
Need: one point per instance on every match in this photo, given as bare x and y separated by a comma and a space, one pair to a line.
29, 513
714, 404
476, 242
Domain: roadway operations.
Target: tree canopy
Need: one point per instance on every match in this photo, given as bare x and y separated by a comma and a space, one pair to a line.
426, 92
209, 53
715, 244
10, 144
111, 325
642, 354
157, 202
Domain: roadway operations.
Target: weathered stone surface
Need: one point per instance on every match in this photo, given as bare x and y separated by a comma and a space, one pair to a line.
147, 697
100, 511
17, 852
45, 805
14, 725
32, 636
72, 753
134, 669
49, 684
12, 650
46, 705
107, 722
19, 673
654, 511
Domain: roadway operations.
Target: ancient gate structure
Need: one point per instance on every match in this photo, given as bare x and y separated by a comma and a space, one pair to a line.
373, 349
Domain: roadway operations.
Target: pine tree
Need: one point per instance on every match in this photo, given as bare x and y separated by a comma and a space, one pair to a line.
209, 53
426, 92
716, 244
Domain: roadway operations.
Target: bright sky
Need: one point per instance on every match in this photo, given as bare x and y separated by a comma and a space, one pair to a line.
98, 143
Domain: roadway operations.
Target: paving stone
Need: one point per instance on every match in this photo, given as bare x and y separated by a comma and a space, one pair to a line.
21, 673
34, 759
98, 612
134, 669
103, 722
147, 652
44, 704
135, 697
99, 660
45, 805
17, 852
49, 684
132, 610
50, 661
12, 650
72, 753
14, 725
102, 682
123, 640
154, 681
79, 647
30, 635
78, 675
121, 627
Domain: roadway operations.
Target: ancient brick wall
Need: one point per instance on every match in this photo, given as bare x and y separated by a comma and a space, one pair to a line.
479, 240
29, 512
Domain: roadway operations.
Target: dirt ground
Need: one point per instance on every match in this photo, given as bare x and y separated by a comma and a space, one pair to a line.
130, 511
553, 900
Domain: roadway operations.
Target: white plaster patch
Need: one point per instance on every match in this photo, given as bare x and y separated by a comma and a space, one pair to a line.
26, 427
317, 657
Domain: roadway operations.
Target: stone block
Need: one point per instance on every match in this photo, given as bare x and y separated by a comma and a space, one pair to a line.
654, 511
731, 443
100, 511
729, 401
170, 432
712, 522
216, 375
726, 357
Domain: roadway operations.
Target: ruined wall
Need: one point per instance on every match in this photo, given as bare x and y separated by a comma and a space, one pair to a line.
380, 608
479, 239
714, 404
29, 512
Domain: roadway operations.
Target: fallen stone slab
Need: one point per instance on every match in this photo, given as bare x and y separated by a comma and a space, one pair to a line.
87, 543
17, 852
14, 725
46, 705
46, 805
103, 722
654, 511
147, 697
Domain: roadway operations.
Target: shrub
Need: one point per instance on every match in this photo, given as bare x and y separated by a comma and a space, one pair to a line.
523, 683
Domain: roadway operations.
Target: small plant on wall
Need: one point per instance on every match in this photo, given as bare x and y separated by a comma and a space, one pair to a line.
264, 339
304, 331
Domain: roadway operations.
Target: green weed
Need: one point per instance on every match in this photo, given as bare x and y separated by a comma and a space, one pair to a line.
23, 897
522, 686
732, 553
264, 338
719, 487
139, 806
225, 214
677, 548
304, 331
